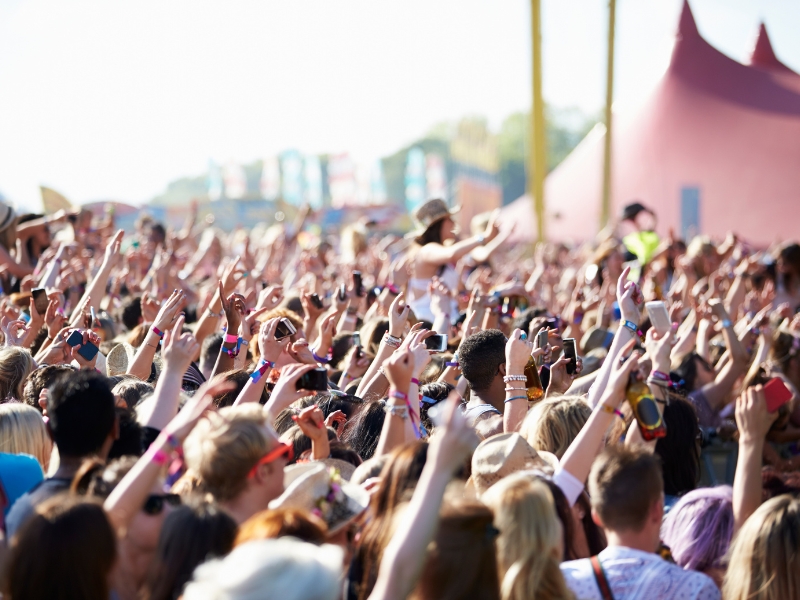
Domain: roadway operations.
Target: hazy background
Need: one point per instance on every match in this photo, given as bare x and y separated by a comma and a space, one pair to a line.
112, 100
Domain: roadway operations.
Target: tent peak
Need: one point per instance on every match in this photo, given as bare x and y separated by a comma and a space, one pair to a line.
763, 55
687, 27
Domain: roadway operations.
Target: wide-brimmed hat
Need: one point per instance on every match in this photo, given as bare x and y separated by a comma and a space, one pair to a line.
7, 216
430, 213
321, 490
597, 337
119, 358
501, 455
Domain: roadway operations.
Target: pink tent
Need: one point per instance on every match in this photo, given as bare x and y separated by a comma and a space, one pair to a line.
716, 147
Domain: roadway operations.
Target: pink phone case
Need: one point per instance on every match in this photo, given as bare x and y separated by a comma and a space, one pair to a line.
776, 394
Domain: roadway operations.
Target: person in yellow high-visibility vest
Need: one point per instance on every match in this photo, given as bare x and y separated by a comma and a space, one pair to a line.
644, 241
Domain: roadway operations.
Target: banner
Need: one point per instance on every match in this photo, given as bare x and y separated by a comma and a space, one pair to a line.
270, 184
342, 180
436, 177
235, 180
313, 177
292, 177
415, 178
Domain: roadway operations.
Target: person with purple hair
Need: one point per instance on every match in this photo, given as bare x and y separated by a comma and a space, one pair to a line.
699, 529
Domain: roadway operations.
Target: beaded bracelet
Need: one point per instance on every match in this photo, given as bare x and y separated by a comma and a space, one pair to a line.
513, 389
397, 411
509, 378
392, 341
515, 398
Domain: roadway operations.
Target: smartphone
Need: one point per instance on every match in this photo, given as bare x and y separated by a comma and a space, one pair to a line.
356, 338
316, 301
88, 351
436, 343
40, 300
659, 316
342, 293
571, 353
315, 380
776, 394
541, 342
284, 329
75, 338
358, 283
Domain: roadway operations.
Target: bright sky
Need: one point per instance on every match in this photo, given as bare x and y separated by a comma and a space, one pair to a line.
112, 100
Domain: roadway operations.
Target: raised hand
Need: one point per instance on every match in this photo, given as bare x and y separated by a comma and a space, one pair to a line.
179, 348
234, 309
89, 336
614, 392
54, 318
270, 297
168, 313
230, 277
270, 348
399, 369
752, 417
311, 422
629, 297
398, 315
327, 329
285, 392
196, 407
250, 324
518, 351
422, 355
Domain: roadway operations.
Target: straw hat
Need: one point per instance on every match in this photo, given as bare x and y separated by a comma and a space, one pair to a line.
321, 490
119, 358
7, 216
430, 213
501, 455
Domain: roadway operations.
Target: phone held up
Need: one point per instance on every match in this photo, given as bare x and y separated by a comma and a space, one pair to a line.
87, 350
40, 300
571, 353
315, 380
436, 343
284, 329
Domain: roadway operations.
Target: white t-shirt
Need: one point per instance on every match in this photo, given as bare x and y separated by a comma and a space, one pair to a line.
635, 575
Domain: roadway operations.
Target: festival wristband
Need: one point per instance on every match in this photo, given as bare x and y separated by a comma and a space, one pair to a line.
263, 367
231, 339
158, 332
631, 326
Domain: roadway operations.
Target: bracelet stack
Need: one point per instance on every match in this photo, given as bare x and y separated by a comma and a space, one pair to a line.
397, 411
323, 359
612, 411
392, 341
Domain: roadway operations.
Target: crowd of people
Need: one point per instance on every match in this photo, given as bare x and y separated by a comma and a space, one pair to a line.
287, 413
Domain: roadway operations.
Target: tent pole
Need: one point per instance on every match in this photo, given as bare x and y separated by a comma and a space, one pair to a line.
605, 212
537, 156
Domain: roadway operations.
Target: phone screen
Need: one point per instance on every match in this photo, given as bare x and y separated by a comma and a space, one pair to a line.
356, 338
541, 342
40, 300
659, 316
358, 283
342, 293
571, 353
284, 329
436, 343
315, 380
316, 301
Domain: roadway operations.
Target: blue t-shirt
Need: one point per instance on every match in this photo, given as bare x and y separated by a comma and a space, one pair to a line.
19, 474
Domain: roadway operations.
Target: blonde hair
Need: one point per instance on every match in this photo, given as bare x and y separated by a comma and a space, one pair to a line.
22, 431
223, 448
765, 556
529, 546
553, 424
15, 366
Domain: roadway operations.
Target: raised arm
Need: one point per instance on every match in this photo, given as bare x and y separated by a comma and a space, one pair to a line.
406, 553
580, 455
399, 370
754, 422
398, 315
96, 290
167, 315
518, 351
271, 349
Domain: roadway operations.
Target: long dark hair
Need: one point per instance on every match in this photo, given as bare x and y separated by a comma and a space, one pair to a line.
365, 431
432, 235
191, 534
65, 550
679, 452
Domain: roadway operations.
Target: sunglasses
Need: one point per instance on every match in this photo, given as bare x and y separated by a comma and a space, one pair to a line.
155, 503
286, 450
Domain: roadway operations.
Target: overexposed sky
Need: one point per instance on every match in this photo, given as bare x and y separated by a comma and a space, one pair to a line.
112, 100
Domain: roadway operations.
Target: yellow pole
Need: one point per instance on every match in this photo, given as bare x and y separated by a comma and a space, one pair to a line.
538, 159
605, 212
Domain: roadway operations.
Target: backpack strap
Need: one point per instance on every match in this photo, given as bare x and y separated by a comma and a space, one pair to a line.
602, 581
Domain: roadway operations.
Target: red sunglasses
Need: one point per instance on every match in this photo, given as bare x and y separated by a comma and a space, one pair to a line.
281, 449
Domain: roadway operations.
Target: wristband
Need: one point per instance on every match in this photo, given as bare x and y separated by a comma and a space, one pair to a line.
426, 400
631, 326
393, 288
392, 341
515, 398
397, 411
398, 395
513, 389
218, 315
659, 375
232, 352
324, 360
452, 364
263, 367
612, 411
415, 381
158, 332
173, 441
727, 323
159, 457
231, 339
